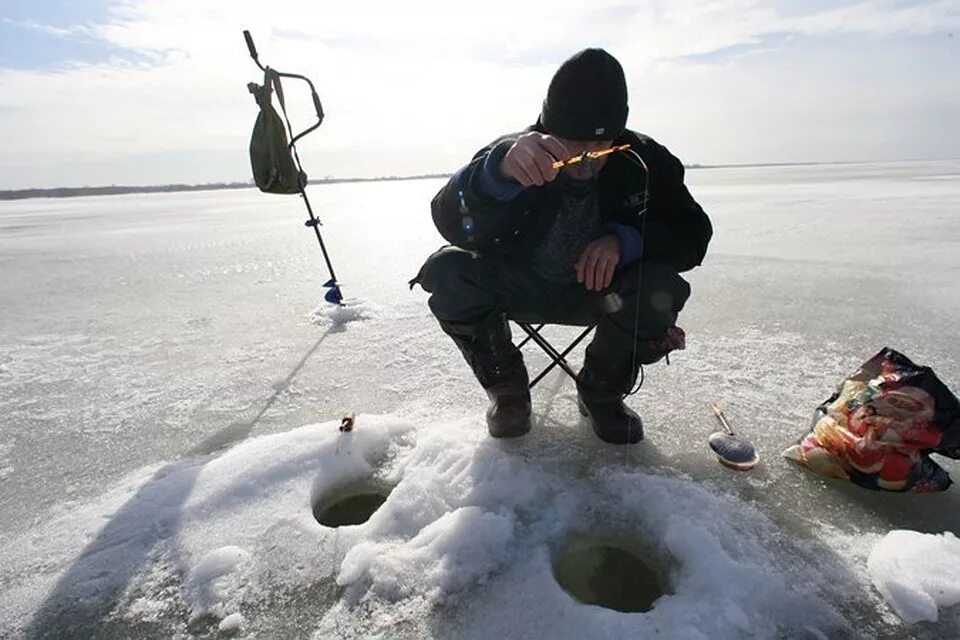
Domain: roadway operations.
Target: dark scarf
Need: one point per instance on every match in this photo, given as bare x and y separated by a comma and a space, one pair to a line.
574, 227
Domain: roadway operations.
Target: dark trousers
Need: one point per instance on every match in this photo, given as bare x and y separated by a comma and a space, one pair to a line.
641, 303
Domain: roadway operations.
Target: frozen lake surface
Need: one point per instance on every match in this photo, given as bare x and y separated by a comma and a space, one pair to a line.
171, 384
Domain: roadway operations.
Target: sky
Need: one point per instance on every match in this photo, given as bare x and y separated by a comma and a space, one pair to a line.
126, 92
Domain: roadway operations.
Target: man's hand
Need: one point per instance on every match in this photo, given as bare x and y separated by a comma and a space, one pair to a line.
597, 263
530, 160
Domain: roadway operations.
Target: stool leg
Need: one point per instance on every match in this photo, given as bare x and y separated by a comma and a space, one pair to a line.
559, 358
529, 337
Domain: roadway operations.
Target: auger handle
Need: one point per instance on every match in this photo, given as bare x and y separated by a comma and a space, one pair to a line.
250, 46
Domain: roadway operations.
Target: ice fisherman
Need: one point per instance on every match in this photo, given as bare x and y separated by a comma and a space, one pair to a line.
600, 241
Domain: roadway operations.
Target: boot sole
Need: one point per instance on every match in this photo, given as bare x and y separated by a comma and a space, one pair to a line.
629, 437
512, 432
519, 426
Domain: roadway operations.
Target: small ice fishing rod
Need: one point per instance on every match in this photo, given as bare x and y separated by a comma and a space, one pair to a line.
589, 155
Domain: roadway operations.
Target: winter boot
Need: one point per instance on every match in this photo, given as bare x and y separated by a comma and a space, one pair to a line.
607, 376
498, 366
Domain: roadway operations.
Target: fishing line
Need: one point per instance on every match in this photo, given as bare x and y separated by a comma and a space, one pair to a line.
638, 160
635, 157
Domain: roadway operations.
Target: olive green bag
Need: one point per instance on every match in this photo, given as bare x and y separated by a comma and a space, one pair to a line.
271, 156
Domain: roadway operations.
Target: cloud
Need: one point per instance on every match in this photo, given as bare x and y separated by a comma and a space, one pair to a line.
408, 87
881, 19
50, 30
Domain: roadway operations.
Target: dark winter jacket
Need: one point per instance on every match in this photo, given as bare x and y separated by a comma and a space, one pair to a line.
675, 228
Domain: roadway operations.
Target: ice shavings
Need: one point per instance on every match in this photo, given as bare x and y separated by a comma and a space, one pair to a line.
449, 522
728, 560
352, 310
917, 573
471, 524
202, 514
460, 549
213, 579
480, 517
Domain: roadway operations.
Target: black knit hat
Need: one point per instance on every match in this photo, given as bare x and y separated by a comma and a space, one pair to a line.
587, 98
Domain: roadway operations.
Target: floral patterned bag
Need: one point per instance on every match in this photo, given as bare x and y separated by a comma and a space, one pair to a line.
880, 426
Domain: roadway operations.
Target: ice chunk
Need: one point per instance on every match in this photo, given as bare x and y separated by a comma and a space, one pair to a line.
917, 572
231, 624
6, 468
461, 548
211, 579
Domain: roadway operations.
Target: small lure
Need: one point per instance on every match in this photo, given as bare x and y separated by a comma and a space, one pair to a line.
346, 426
589, 155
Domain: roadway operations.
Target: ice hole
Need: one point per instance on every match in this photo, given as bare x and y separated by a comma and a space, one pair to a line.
619, 575
350, 505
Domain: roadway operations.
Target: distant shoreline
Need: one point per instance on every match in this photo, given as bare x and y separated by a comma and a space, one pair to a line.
114, 190
72, 192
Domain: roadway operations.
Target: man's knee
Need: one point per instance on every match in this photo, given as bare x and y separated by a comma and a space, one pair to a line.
454, 279
660, 288
449, 269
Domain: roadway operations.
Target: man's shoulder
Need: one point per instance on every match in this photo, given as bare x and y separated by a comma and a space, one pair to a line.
652, 152
640, 141
629, 136
506, 136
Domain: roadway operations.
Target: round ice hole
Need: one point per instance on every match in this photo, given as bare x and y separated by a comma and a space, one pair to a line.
611, 574
350, 505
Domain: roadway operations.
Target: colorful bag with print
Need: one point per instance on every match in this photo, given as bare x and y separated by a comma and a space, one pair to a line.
881, 425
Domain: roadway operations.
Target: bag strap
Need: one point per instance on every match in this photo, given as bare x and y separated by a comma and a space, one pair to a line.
272, 78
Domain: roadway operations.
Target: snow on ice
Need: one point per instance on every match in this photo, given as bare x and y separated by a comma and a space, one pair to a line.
170, 409
465, 512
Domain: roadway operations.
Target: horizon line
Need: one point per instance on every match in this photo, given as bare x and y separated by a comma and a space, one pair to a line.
115, 189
